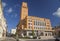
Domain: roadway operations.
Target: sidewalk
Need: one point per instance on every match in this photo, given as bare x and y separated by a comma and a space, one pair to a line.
33, 39
3, 38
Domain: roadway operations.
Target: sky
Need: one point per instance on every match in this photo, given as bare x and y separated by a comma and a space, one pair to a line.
41, 8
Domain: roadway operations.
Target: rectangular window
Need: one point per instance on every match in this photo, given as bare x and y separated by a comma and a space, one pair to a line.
30, 20
30, 27
29, 24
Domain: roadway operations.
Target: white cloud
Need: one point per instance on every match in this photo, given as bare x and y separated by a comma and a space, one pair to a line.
4, 4
9, 10
57, 13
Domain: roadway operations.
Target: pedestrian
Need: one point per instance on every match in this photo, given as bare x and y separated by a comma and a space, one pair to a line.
56, 39
17, 40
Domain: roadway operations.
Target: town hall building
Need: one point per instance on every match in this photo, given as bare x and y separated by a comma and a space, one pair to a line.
41, 26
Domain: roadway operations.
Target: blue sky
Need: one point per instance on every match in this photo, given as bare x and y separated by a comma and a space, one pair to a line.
41, 8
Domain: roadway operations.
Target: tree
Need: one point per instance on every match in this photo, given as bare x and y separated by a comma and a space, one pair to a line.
33, 33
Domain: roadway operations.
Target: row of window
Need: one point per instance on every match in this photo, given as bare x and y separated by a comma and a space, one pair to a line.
30, 20
38, 23
41, 23
37, 27
42, 34
29, 23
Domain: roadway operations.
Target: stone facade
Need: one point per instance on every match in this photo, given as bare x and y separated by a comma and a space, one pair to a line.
57, 31
13, 31
3, 25
31, 23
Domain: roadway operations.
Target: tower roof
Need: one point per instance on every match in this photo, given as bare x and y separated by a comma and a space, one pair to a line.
24, 4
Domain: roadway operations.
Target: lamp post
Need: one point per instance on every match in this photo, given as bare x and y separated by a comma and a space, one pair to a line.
17, 39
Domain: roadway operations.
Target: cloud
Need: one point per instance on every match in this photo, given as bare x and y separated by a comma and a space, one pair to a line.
9, 10
4, 4
57, 13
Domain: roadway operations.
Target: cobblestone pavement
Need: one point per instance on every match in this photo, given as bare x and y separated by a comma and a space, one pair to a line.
38, 39
12, 39
9, 39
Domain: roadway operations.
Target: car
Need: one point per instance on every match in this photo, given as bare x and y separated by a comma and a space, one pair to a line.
38, 37
34, 37
31, 37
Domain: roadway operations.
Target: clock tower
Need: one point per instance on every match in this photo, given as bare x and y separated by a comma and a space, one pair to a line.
24, 10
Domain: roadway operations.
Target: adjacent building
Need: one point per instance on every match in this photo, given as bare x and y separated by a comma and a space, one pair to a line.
13, 31
3, 25
57, 31
28, 24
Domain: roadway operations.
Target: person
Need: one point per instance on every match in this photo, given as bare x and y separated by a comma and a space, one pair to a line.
17, 40
56, 39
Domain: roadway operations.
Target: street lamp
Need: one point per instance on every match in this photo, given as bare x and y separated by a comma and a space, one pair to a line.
17, 39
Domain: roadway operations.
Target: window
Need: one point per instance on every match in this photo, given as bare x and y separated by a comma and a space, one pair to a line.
41, 34
30, 20
29, 24
34, 27
42, 23
30, 27
49, 34
38, 22
34, 23
30, 34
46, 34
48, 25
37, 27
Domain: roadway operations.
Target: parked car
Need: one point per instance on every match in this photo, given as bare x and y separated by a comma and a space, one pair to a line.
39, 37
31, 37
35, 37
